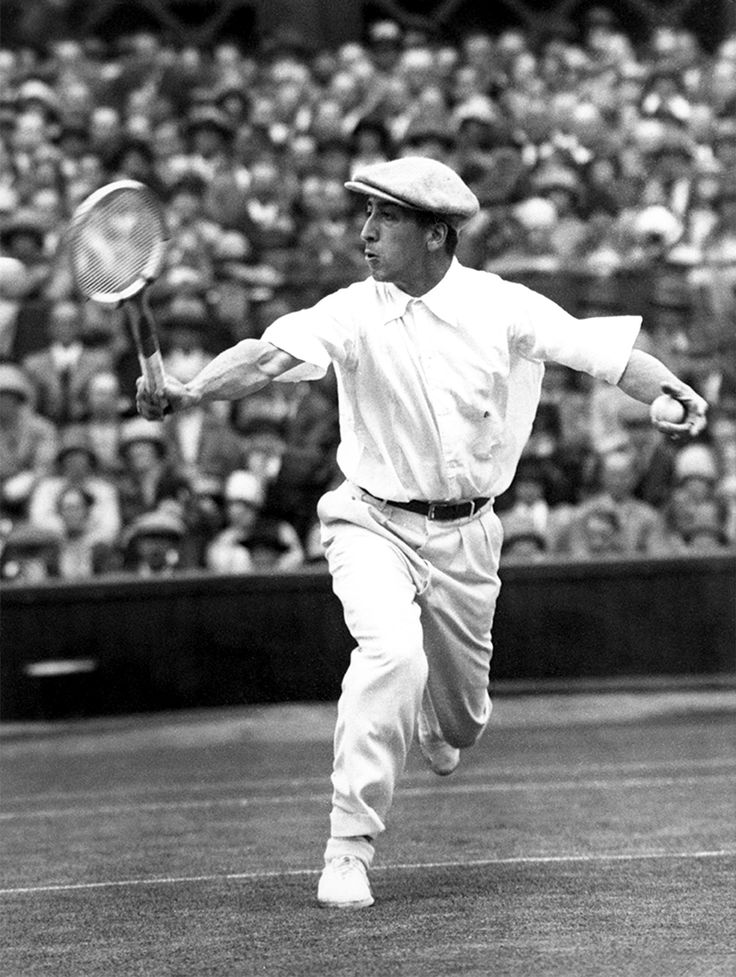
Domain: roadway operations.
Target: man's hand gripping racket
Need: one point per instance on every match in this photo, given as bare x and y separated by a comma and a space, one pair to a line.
118, 242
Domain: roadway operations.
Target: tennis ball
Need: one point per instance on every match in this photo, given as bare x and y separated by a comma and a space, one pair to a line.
666, 408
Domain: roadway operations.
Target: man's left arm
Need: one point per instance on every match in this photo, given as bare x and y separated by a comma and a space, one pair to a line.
646, 377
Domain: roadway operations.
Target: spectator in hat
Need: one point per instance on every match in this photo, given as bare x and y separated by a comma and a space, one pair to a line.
152, 543
102, 418
431, 130
528, 503
652, 232
24, 236
185, 326
14, 283
134, 159
707, 529
639, 525
76, 466
269, 218
562, 187
300, 464
148, 476
697, 471
384, 45
370, 142
250, 542
28, 442
202, 442
28, 554
204, 516
723, 444
80, 553
395, 107
327, 254
692, 526
671, 173
479, 126
602, 185
61, 371
523, 542
702, 214
30, 140
186, 200
719, 244
530, 246
663, 95
598, 533
209, 133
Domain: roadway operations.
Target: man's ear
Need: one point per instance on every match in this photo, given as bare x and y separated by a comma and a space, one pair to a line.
437, 235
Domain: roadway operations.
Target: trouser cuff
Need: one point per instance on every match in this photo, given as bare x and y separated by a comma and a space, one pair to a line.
359, 847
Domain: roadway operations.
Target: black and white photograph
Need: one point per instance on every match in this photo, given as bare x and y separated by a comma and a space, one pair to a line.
367, 488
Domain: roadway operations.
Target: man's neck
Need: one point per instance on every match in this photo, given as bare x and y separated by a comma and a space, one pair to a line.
427, 279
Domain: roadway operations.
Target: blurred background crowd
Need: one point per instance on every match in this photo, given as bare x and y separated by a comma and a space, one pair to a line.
606, 170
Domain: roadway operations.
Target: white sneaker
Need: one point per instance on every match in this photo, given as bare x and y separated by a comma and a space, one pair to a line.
441, 757
344, 884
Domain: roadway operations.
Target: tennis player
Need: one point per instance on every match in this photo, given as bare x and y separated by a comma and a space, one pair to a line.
439, 371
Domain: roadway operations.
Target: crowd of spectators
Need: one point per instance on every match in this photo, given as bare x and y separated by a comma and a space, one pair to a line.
605, 169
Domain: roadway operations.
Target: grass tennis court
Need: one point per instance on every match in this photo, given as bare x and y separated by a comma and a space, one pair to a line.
587, 834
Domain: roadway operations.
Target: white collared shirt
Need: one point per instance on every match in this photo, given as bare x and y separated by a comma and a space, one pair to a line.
437, 394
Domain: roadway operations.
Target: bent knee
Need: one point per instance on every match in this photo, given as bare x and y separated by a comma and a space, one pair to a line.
464, 731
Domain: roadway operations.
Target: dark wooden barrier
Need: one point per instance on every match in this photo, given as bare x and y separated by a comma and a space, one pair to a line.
127, 645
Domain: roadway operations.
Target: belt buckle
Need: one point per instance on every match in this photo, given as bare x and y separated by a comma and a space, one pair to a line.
431, 511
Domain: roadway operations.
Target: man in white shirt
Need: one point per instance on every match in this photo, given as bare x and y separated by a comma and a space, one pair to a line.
439, 369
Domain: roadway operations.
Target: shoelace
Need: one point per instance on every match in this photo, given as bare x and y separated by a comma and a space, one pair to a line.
346, 863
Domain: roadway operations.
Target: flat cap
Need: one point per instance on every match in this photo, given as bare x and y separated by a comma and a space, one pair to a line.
418, 183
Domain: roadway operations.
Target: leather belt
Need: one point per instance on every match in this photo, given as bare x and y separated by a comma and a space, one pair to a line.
440, 511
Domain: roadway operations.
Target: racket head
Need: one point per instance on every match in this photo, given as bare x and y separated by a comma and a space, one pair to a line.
117, 238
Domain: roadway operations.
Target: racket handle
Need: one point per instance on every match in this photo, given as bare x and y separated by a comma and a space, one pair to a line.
143, 328
152, 368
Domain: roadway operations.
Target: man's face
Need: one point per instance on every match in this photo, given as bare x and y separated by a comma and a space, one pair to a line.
395, 244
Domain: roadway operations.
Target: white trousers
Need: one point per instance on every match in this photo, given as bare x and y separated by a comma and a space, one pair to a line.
418, 597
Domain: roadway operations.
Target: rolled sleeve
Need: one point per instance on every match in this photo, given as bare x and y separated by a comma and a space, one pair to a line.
288, 333
315, 336
598, 346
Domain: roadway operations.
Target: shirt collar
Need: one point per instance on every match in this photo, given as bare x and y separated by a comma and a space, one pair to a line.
440, 300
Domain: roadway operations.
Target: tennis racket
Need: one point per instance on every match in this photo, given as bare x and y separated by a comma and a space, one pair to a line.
118, 240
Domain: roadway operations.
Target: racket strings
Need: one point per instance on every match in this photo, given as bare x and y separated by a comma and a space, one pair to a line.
117, 243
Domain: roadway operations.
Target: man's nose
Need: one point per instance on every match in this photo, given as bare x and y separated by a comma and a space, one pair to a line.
369, 229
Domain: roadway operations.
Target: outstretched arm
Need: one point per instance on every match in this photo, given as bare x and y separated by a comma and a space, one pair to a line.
236, 372
646, 377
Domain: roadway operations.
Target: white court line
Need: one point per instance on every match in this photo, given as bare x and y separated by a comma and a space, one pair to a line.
468, 773
573, 858
322, 797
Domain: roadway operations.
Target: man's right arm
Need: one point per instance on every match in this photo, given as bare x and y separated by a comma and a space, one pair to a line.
231, 375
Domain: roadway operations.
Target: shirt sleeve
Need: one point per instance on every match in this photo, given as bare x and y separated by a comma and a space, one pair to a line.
600, 346
316, 336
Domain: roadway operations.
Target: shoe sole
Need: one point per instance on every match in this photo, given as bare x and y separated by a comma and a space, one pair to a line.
358, 904
440, 771
443, 773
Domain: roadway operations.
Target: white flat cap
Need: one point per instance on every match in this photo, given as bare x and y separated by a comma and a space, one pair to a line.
418, 183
